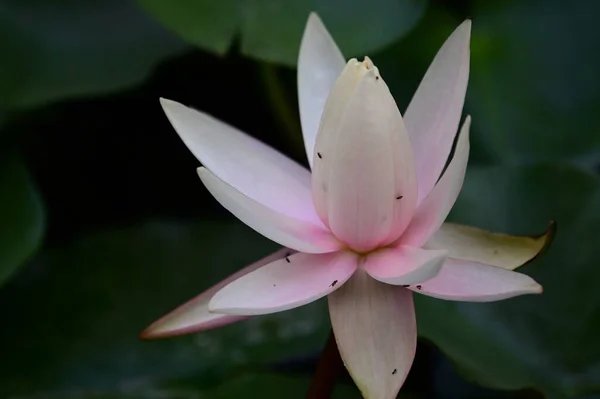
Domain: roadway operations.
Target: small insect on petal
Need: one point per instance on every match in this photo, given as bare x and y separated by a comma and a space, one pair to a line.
394, 372
319, 155
334, 283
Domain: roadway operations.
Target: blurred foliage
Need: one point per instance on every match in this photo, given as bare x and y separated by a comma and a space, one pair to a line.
548, 341
108, 167
534, 89
80, 309
271, 30
59, 49
21, 215
263, 385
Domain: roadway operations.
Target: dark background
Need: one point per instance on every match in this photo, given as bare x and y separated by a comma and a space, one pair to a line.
104, 225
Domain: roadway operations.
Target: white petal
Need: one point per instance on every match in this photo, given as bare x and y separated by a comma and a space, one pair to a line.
404, 265
319, 64
254, 169
432, 212
285, 284
288, 231
364, 185
461, 280
376, 332
433, 115
496, 249
193, 316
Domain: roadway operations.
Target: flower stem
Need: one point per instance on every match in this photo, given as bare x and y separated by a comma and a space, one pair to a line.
328, 370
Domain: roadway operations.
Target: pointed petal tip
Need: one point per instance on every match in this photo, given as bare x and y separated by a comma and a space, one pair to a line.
183, 321
172, 109
466, 281
151, 333
166, 103
467, 25
464, 30
165, 328
313, 17
465, 130
146, 334
534, 288
157, 331
548, 236
314, 23
467, 122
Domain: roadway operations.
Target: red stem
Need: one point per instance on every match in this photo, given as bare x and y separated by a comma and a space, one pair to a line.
328, 370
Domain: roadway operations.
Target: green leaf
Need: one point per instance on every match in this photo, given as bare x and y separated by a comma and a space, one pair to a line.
22, 219
262, 385
69, 48
71, 320
275, 386
534, 87
271, 30
549, 341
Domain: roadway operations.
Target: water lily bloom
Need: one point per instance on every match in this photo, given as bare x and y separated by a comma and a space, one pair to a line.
366, 227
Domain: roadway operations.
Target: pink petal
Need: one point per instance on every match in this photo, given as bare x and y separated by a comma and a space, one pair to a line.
254, 169
404, 265
433, 115
461, 280
289, 232
432, 212
364, 184
319, 64
285, 284
193, 316
376, 332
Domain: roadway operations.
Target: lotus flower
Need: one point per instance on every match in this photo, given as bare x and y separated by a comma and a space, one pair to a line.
366, 227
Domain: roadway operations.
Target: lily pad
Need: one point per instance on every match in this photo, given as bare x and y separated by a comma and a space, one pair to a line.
271, 30
72, 318
534, 87
22, 220
547, 342
264, 385
56, 50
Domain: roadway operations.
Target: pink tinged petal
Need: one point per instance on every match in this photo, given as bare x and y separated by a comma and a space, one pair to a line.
433, 115
432, 212
285, 284
319, 64
288, 231
404, 265
364, 185
193, 316
496, 249
460, 280
253, 168
376, 332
